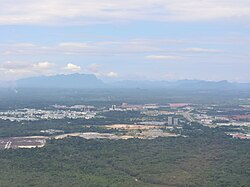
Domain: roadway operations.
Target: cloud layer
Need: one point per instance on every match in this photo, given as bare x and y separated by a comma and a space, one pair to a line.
163, 57
149, 39
80, 12
12, 70
112, 47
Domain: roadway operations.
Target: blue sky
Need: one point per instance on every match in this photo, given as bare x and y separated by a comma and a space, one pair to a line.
116, 40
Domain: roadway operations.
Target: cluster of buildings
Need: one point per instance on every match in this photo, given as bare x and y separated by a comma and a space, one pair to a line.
157, 112
84, 108
222, 120
152, 110
209, 115
27, 114
173, 121
131, 107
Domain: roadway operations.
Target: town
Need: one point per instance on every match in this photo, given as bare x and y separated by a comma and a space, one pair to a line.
153, 121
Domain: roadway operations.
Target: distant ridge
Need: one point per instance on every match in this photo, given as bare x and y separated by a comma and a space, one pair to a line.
61, 81
182, 84
81, 81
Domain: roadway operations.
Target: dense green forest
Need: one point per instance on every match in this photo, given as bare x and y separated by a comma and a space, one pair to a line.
204, 158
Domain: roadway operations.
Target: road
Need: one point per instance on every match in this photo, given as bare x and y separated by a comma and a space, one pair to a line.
7, 145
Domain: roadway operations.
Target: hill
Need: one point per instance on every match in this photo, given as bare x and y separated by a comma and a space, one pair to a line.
61, 81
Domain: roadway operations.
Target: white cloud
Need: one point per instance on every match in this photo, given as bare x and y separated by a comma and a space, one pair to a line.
197, 10
75, 12
202, 50
120, 47
111, 74
163, 57
12, 70
11, 49
43, 65
74, 45
72, 67
96, 69
15, 65
88, 48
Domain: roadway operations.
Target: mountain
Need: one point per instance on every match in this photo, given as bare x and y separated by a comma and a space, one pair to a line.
61, 81
181, 84
81, 81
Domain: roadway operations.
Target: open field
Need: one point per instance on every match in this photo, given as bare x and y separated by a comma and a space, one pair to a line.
22, 142
132, 127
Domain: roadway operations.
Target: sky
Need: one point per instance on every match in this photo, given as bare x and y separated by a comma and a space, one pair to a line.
126, 40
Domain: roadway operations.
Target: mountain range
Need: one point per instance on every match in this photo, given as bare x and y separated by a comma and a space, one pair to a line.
81, 81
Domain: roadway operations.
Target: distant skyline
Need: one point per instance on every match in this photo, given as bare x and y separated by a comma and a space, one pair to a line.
126, 40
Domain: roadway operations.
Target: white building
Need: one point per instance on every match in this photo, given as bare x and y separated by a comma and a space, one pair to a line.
176, 121
170, 120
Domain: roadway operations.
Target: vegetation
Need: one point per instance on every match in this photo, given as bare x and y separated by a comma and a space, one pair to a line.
33, 128
204, 158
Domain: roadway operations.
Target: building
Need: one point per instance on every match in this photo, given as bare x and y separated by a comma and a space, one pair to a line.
176, 121
113, 108
170, 120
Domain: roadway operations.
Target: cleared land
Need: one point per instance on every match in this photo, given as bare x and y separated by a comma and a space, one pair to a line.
22, 142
